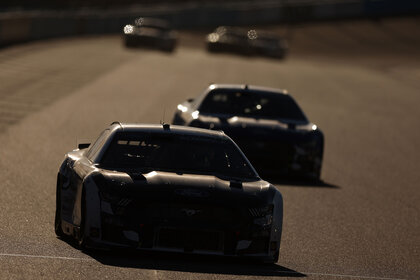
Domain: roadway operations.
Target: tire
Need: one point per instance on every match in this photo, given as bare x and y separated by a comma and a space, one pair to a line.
83, 240
213, 48
57, 220
277, 55
274, 259
128, 42
315, 176
168, 46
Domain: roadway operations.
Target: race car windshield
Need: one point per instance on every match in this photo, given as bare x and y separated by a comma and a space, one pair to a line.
256, 105
177, 153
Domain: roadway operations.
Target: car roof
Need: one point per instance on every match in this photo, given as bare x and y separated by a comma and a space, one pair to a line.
167, 128
151, 22
245, 87
263, 34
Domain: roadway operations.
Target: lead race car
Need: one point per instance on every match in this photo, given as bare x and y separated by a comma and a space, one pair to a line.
151, 33
167, 188
266, 123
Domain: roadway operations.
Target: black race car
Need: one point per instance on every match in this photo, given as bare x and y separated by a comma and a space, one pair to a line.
150, 32
167, 188
266, 123
246, 42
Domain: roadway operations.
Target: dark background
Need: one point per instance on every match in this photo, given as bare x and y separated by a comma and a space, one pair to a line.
370, 7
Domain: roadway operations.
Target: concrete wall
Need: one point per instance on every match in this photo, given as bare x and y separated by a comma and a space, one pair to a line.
18, 27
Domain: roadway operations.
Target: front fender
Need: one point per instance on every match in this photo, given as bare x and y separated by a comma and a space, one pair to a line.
277, 226
87, 193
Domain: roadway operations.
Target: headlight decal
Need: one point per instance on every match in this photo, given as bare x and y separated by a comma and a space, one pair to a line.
264, 221
263, 211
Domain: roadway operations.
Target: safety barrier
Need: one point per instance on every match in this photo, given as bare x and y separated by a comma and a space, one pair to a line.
18, 27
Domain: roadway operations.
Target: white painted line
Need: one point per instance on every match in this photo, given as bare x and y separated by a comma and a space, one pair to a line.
155, 274
45, 257
155, 271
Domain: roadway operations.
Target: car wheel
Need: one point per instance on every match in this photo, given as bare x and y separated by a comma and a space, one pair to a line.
168, 46
83, 239
57, 221
273, 259
211, 47
280, 55
315, 176
128, 43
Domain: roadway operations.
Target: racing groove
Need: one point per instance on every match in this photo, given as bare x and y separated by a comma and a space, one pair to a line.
34, 75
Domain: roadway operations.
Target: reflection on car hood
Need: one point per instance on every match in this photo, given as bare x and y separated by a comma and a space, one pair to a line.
192, 180
224, 122
168, 185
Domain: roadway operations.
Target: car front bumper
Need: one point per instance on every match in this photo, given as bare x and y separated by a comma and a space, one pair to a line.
169, 235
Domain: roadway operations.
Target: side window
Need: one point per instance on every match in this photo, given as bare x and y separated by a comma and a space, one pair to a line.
98, 144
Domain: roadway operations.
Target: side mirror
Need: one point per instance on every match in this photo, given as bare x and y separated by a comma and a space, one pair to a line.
82, 146
190, 100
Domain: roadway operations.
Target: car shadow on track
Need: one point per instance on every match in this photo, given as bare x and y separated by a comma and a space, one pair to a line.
190, 263
297, 182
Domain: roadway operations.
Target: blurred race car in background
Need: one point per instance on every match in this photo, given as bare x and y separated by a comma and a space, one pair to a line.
167, 188
267, 124
246, 42
151, 33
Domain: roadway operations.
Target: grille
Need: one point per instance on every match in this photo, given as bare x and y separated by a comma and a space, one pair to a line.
186, 212
190, 240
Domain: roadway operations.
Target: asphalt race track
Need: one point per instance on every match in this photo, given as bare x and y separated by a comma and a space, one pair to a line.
358, 81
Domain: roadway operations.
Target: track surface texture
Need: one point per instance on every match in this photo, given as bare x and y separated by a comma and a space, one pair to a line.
358, 81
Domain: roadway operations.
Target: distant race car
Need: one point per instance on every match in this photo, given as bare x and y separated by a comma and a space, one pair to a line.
167, 188
150, 32
247, 42
267, 124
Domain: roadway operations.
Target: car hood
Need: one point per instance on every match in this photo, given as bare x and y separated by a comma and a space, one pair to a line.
239, 125
168, 186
